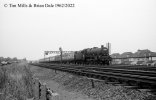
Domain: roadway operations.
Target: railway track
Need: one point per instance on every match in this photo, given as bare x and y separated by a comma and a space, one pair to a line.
101, 67
146, 78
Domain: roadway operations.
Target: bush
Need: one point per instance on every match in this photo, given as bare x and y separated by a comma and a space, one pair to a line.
15, 82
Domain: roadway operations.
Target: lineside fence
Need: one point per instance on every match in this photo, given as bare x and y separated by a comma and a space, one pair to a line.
41, 91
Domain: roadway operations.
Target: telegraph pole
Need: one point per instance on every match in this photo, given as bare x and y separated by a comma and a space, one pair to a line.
108, 45
45, 53
61, 54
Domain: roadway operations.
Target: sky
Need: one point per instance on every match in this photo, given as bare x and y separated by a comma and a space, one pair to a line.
26, 32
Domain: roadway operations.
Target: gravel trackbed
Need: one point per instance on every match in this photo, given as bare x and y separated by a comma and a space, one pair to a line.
71, 87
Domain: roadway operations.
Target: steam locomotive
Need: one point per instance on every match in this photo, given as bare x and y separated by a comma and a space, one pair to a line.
93, 55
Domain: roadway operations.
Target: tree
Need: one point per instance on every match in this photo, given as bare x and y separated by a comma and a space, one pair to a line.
1, 59
14, 59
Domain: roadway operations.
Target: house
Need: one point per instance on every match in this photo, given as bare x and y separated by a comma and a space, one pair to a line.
141, 55
116, 58
126, 57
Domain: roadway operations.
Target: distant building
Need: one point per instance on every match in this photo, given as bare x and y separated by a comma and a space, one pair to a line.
132, 58
116, 58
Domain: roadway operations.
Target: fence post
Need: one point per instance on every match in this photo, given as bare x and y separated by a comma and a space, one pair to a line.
43, 92
36, 89
92, 81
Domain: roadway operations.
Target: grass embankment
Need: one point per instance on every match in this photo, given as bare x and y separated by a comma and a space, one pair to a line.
15, 82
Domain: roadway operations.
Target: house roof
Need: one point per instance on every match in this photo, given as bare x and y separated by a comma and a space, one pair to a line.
153, 54
143, 53
115, 55
126, 54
